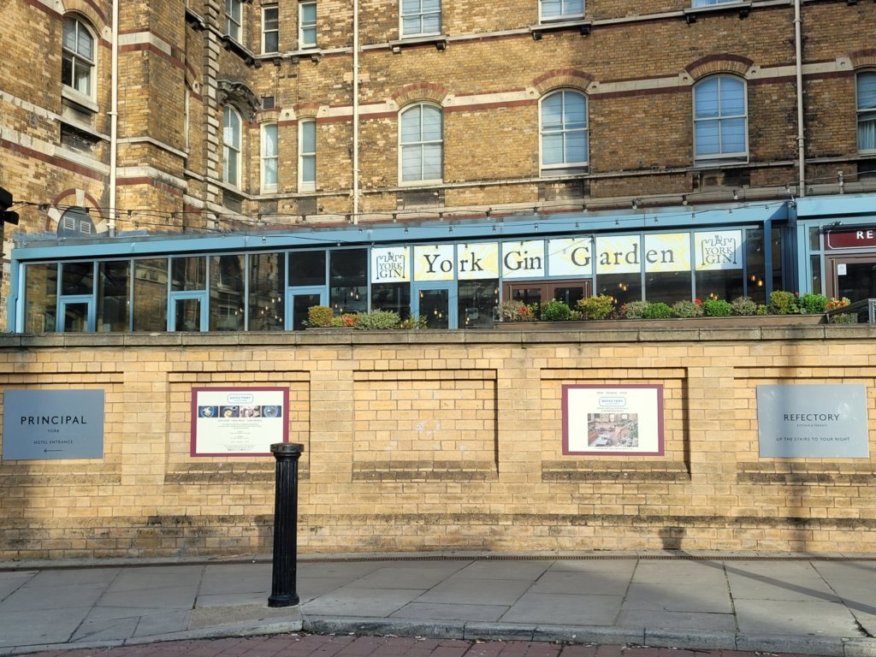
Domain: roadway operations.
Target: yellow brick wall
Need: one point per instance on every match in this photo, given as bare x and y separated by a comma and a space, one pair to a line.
439, 442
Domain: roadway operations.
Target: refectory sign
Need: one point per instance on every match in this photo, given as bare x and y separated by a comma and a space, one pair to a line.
566, 257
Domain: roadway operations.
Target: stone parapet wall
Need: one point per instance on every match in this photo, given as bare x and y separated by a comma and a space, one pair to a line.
433, 440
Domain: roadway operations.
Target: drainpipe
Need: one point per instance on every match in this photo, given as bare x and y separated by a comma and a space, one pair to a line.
355, 111
114, 121
801, 146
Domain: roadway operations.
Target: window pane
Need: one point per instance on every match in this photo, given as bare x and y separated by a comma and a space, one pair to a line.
269, 140
706, 98
431, 124
308, 136
112, 295
732, 97
85, 45
575, 111
431, 24
349, 280
308, 13
188, 273
867, 135
552, 112
707, 138
866, 91
226, 293
410, 127
431, 162
733, 136
308, 36
478, 303
431, 5
551, 8
552, 149
392, 296
623, 287
308, 169
306, 268
77, 278
576, 147
70, 34
150, 294
411, 163
40, 298
266, 291
668, 287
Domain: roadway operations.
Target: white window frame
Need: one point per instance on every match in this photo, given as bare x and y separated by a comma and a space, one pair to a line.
78, 61
867, 114
273, 30
305, 185
564, 14
231, 147
269, 158
304, 27
564, 166
721, 157
711, 3
234, 19
421, 14
419, 143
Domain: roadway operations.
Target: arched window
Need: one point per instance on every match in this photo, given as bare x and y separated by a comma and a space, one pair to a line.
720, 120
78, 56
564, 133
421, 143
866, 87
231, 146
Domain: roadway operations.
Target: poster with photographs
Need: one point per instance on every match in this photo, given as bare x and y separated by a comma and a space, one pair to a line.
622, 419
238, 421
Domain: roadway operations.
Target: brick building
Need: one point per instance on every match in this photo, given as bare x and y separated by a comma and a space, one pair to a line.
388, 153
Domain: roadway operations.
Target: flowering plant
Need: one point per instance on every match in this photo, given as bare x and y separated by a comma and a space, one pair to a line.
835, 303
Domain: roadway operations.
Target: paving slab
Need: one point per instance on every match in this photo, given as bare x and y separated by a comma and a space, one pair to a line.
25, 628
688, 621
235, 578
44, 598
12, 581
799, 581
462, 590
352, 601
582, 583
792, 617
512, 569
437, 611
681, 586
540, 608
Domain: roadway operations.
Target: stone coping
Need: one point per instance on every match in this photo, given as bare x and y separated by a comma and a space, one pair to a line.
603, 333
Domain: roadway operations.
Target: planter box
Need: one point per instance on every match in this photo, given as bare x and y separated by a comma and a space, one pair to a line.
735, 322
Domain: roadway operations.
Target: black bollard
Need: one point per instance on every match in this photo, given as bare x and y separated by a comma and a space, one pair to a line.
285, 563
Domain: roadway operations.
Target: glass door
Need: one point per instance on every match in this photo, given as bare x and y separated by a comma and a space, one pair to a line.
77, 315
188, 312
299, 300
852, 276
436, 304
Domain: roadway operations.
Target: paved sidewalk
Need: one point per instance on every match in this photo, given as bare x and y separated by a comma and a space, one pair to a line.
799, 605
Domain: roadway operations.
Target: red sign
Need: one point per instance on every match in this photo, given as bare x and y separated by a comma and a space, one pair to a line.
851, 239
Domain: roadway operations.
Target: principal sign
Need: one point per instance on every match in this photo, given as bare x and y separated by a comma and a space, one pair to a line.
52, 424
801, 421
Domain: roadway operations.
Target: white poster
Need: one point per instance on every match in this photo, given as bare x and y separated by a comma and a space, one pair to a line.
667, 252
621, 419
618, 254
718, 250
238, 421
433, 263
391, 265
523, 259
478, 260
570, 257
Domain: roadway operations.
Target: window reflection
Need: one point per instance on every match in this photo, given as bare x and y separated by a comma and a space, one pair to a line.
266, 294
226, 293
150, 294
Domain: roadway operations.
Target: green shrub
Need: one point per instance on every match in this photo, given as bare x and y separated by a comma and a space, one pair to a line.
658, 310
555, 311
319, 316
815, 304
634, 309
783, 303
598, 307
378, 320
347, 320
414, 323
744, 306
717, 308
686, 308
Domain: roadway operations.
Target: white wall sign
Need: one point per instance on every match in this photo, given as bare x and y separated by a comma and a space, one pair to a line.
718, 250
618, 254
570, 257
667, 252
478, 260
523, 259
809, 420
391, 265
238, 421
434, 262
